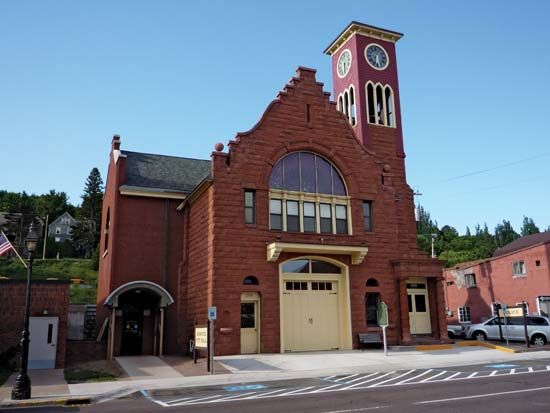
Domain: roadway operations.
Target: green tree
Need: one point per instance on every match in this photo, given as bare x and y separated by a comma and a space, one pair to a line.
504, 234
529, 227
86, 233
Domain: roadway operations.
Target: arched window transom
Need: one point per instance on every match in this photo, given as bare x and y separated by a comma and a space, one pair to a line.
308, 194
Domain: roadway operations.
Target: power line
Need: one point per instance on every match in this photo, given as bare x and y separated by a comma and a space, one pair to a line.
496, 167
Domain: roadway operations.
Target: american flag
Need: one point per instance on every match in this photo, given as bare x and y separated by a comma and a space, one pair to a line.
5, 245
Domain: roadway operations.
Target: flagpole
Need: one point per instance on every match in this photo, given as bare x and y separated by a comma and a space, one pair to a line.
14, 250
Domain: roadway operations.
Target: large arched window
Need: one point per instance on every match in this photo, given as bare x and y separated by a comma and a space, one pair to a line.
308, 194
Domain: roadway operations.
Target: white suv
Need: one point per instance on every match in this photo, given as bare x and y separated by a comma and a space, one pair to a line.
538, 329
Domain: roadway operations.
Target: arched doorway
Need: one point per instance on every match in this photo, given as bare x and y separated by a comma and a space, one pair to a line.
136, 324
315, 307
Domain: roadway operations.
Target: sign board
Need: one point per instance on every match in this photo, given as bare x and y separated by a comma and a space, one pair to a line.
201, 337
511, 312
382, 314
212, 313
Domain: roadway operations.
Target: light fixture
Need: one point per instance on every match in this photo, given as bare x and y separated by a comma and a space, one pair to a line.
32, 239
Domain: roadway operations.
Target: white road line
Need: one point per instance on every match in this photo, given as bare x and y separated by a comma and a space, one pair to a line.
329, 377
547, 367
329, 387
530, 369
296, 391
346, 377
414, 377
513, 371
433, 377
393, 378
361, 378
177, 400
451, 376
261, 395
472, 375
366, 381
477, 396
363, 409
493, 373
193, 401
233, 397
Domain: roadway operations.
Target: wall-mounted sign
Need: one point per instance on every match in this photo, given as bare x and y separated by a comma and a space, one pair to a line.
212, 313
511, 312
201, 337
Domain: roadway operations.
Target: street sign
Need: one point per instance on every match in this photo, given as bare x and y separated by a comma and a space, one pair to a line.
212, 313
382, 314
201, 337
511, 312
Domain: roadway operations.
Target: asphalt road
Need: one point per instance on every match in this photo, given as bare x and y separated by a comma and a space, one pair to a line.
521, 388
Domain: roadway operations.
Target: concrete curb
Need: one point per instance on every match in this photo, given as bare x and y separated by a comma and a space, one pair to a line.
44, 401
487, 345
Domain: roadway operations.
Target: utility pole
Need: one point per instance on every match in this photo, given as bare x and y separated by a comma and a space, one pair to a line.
434, 236
45, 239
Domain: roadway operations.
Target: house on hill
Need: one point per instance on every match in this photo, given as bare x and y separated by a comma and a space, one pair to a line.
61, 228
518, 272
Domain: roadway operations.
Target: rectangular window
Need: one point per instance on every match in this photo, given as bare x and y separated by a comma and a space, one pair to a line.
518, 268
464, 315
372, 300
470, 280
275, 214
292, 216
249, 206
341, 219
367, 215
325, 214
58, 230
309, 217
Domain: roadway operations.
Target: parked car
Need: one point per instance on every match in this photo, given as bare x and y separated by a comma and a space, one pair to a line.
538, 329
455, 330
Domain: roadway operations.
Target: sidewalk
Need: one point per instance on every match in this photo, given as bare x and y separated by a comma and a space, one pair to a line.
271, 367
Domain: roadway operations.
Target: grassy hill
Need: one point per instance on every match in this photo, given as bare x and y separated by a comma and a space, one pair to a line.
63, 269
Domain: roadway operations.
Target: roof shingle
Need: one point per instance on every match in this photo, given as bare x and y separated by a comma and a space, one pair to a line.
165, 172
523, 242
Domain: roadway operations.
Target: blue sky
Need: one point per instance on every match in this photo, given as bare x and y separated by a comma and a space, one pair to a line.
175, 77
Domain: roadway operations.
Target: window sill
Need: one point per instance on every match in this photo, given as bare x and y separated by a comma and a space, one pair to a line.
472, 286
519, 276
105, 254
250, 225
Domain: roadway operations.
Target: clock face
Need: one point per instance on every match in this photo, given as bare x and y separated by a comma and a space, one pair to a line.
376, 56
344, 63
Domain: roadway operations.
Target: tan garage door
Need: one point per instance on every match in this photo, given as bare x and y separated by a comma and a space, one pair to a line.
310, 315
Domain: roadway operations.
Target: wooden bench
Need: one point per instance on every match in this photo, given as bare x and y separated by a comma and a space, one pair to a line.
369, 338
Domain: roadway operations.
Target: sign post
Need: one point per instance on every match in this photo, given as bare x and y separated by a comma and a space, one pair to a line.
212, 315
383, 322
524, 311
498, 307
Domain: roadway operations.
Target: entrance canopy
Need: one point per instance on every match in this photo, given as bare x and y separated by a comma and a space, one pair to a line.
357, 253
165, 297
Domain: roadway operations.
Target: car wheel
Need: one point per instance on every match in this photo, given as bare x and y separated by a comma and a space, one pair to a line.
479, 336
450, 334
538, 340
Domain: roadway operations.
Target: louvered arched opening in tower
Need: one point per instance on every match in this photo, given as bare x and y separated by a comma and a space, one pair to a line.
380, 115
390, 117
340, 103
352, 105
370, 103
346, 104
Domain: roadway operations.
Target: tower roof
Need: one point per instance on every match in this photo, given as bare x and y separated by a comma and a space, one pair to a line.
361, 28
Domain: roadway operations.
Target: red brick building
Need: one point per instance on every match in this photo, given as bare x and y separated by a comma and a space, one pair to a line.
294, 233
518, 272
48, 320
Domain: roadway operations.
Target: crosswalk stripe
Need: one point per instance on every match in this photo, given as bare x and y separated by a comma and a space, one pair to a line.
260, 395
513, 371
451, 376
235, 396
366, 381
361, 378
178, 400
192, 401
414, 377
296, 391
433, 377
346, 377
472, 375
393, 378
530, 369
493, 373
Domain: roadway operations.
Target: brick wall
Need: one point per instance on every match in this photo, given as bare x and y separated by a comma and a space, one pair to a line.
496, 283
52, 296
82, 351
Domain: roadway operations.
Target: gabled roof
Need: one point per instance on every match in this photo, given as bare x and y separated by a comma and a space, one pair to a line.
523, 242
145, 170
61, 216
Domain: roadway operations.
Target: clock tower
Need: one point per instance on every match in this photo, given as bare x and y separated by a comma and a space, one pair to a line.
366, 89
